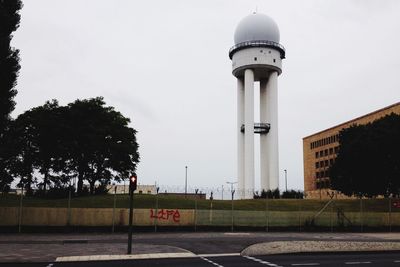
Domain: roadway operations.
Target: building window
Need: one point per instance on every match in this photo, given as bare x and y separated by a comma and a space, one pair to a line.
326, 163
274, 60
321, 153
317, 165
331, 151
326, 152
255, 59
317, 174
336, 149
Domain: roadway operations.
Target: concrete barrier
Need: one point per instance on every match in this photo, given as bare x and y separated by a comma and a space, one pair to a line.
37, 216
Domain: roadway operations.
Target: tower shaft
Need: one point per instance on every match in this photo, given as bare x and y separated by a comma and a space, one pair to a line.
248, 133
269, 155
240, 135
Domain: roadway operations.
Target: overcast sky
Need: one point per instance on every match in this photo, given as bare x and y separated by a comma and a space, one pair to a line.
165, 65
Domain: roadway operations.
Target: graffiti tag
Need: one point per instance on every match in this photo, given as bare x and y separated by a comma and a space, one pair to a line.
165, 215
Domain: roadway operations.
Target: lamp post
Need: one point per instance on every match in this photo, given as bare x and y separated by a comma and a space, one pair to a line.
286, 179
185, 181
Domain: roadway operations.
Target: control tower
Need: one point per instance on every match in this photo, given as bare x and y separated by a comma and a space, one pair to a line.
257, 57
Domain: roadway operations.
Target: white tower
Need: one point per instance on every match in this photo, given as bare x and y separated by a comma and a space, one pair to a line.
257, 56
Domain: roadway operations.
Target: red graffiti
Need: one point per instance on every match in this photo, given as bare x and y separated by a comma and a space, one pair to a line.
165, 215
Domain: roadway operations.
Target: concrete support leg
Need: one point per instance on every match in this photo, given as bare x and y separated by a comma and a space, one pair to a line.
272, 136
249, 133
240, 136
264, 172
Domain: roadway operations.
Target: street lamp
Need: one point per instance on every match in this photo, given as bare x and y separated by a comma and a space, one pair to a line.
185, 181
286, 179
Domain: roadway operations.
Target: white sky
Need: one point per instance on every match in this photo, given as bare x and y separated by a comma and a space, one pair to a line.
165, 65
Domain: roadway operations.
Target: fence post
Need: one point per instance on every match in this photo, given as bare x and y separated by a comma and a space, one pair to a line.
20, 209
233, 193
195, 214
114, 206
211, 210
156, 219
330, 216
69, 207
361, 214
390, 214
266, 212
300, 200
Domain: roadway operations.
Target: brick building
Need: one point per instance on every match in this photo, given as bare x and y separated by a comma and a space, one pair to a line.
320, 149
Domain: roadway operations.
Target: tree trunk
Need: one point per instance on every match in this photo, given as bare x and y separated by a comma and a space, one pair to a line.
45, 180
80, 183
92, 182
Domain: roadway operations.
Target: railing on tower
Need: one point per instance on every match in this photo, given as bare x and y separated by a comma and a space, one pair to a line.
259, 128
257, 43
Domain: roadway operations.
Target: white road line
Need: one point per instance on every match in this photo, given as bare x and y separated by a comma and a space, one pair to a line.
262, 262
357, 262
210, 261
396, 261
218, 255
51, 264
305, 264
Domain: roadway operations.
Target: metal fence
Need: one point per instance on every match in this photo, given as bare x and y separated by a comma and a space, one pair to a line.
152, 212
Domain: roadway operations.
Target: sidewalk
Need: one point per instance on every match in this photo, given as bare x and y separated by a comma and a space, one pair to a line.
47, 247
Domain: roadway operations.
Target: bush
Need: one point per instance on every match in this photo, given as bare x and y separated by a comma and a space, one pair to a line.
293, 194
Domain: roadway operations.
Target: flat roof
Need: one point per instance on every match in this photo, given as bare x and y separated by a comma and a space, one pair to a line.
353, 120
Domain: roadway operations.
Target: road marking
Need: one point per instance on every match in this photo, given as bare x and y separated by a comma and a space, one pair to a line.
357, 262
397, 261
262, 262
210, 261
51, 264
305, 264
219, 255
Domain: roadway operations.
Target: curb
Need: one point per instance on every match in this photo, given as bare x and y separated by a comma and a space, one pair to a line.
126, 257
311, 247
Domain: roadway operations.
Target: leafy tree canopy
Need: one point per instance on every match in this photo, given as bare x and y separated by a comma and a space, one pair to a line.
9, 59
368, 162
84, 141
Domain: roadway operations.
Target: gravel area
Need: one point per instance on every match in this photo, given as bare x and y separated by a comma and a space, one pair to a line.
283, 247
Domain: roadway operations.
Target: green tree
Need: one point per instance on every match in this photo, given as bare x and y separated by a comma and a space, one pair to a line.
368, 162
9, 67
101, 146
85, 139
9, 59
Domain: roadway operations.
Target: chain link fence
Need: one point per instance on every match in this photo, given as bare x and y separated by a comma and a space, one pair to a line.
155, 212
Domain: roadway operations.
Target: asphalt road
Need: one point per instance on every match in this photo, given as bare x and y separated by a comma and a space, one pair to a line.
329, 259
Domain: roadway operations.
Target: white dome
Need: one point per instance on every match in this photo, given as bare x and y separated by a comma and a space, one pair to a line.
256, 27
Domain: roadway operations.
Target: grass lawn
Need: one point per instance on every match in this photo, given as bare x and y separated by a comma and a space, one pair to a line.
149, 201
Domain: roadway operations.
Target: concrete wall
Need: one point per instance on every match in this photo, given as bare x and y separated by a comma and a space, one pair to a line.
9, 216
94, 217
